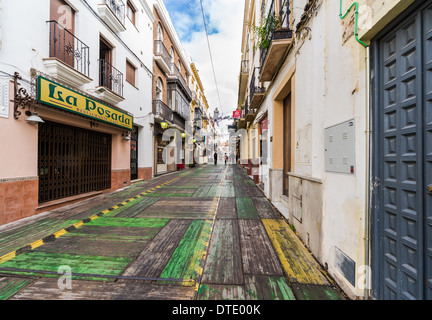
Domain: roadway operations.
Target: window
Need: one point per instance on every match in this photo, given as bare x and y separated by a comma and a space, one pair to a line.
130, 12
159, 89
159, 32
130, 73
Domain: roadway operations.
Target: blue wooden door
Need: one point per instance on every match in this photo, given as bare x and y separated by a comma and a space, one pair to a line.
427, 71
404, 156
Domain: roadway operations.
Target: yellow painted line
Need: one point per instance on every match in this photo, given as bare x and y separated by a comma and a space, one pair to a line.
60, 233
132, 199
7, 257
79, 224
124, 203
105, 212
297, 262
115, 207
36, 244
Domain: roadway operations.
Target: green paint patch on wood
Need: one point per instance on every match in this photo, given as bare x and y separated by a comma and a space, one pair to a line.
249, 182
221, 292
47, 261
315, 292
163, 195
10, 286
268, 288
186, 259
129, 222
228, 191
202, 192
246, 209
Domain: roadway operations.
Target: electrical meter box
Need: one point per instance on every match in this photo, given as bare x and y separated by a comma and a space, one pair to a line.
340, 148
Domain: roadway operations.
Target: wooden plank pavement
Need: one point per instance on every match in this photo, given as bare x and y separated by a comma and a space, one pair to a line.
206, 234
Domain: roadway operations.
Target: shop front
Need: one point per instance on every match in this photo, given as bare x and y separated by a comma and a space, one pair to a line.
67, 146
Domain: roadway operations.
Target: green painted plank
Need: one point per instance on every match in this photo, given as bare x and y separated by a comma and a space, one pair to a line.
268, 288
315, 292
221, 292
153, 259
224, 264
215, 191
47, 261
163, 195
202, 192
129, 222
246, 209
10, 286
186, 259
228, 190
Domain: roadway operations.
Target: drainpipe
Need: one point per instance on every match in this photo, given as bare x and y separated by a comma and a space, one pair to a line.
367, 202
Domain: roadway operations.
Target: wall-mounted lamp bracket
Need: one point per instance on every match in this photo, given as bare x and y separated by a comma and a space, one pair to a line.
22, 98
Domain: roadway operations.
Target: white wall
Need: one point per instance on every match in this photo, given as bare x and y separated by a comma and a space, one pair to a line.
26, 43
329, 89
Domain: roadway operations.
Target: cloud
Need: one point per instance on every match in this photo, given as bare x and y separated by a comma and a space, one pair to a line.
224, 21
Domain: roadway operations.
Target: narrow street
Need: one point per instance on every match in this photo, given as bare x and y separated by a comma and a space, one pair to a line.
205, 233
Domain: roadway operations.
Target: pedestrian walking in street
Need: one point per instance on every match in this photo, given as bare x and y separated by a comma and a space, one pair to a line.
226, 159
215, 158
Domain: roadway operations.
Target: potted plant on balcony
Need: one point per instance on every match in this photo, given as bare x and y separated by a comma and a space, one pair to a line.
267, 27
264, 31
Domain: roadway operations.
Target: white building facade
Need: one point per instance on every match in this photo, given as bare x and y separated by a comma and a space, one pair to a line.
331, 101
80, 63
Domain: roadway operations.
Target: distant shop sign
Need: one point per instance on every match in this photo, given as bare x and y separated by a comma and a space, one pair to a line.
58, 96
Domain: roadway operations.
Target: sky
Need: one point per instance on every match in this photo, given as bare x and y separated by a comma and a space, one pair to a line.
224, 20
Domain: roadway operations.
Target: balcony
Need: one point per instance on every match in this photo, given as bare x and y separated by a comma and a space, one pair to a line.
278, 40
178, 121
162, 111
162, 57
110, 83
257, 90
113, 12
247, 113
244, 74
176, 75
69, 57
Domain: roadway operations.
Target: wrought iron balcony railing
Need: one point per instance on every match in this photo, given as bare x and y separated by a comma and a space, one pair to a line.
245, 66
110, 77
161, 109
64, 46
161, 50
282, 25
255, 85
175, 72
118, 8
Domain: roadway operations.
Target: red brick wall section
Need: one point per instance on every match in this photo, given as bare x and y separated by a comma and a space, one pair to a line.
18, 200
120, 179
145, 173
